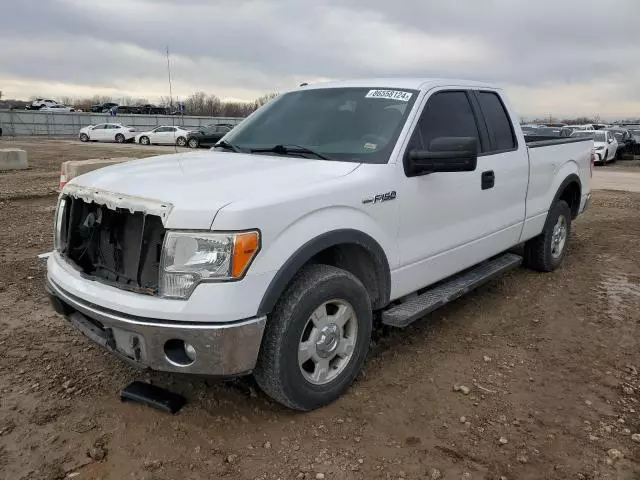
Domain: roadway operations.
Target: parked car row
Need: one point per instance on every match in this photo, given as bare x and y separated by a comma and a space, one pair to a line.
610, 142
114, 108
163, 135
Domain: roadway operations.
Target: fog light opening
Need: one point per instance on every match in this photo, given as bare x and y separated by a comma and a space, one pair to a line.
179, 352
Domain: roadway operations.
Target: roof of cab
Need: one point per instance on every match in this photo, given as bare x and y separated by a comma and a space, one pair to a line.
407, 83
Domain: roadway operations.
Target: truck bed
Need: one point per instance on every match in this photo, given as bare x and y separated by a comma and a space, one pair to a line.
552, 160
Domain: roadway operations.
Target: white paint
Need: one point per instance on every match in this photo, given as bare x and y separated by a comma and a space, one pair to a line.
438, 224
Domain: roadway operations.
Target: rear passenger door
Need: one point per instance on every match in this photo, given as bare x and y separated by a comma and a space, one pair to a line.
451, 221
111, 131
509, 163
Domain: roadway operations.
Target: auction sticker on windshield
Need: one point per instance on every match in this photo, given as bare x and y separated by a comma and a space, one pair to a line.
389, 95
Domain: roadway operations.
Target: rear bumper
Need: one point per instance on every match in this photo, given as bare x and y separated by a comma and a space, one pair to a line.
221, 349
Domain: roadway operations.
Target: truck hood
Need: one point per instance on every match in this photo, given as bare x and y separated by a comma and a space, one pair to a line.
188, 189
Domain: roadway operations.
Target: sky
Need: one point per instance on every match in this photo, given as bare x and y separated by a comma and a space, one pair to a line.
558, 57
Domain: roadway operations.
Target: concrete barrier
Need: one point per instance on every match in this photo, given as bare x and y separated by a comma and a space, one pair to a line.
74, 168
13, 159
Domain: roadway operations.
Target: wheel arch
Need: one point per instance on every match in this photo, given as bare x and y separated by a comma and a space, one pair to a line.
349, 249
570, 190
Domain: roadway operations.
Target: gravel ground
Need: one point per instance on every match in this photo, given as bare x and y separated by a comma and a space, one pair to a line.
550, 363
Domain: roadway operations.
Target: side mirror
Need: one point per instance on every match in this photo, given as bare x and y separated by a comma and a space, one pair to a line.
445, 154
610, 140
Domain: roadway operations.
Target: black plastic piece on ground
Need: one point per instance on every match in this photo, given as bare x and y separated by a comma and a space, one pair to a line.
154, 396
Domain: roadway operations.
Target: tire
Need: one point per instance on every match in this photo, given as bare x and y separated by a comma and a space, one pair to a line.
84, 137
281, 372
181, 141
120, 138
193, 143
145, 141
546, 252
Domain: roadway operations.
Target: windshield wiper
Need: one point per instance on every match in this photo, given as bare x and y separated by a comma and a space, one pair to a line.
227, 146
290, 150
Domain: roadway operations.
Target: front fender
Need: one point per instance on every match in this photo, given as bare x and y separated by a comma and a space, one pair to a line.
291, 248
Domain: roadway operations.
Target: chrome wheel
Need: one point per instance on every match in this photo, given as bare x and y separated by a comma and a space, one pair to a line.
193, 143
181, 141
559, 237
327, 342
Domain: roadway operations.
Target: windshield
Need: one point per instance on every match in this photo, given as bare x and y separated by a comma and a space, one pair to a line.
348, 124
600, 137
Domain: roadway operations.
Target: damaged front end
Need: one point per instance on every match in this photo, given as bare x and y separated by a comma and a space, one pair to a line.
112, 238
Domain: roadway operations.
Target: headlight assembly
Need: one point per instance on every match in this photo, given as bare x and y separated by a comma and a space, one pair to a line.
190, 258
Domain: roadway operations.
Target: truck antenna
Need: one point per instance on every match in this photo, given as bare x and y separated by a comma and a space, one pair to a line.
173, 121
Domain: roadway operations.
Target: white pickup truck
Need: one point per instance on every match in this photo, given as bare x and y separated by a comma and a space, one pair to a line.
333, 207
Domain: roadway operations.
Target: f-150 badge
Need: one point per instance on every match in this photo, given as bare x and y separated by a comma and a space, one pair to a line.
381, 197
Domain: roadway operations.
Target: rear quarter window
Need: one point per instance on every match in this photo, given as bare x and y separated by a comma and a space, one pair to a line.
498, 122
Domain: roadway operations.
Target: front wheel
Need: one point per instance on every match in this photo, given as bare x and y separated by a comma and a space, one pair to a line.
181, 141
120, 138
545, 252
316, 339
84, 137
193, 143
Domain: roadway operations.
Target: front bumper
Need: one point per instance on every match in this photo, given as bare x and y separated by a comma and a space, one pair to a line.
221, 349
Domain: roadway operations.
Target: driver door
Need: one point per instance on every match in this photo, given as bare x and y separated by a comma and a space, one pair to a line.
155, 135
98, 132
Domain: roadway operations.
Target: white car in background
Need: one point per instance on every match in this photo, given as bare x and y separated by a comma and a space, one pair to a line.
164, 135
107, 132
41, 102
605, 146
587, 127
58, 108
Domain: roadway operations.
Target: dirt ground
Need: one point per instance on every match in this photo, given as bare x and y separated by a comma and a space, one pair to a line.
552, 362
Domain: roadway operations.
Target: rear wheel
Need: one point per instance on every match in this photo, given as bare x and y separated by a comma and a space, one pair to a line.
120, 138
546, 251
316, 339
193, 143
181, 141
84, 137
144, 140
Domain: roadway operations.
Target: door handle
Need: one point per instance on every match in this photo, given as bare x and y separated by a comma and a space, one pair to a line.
488, 179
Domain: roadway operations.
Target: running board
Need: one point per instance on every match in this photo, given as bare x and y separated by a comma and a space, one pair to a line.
416, 307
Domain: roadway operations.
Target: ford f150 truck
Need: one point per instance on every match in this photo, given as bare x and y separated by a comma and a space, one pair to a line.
332, 207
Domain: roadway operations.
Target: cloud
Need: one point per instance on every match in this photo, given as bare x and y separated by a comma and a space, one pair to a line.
555, 57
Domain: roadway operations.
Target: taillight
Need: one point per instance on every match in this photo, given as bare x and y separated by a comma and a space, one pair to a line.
63, 180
